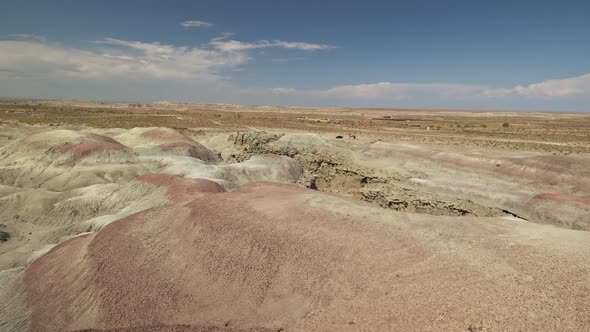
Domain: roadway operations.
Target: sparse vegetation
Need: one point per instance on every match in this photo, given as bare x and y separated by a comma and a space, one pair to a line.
525, 132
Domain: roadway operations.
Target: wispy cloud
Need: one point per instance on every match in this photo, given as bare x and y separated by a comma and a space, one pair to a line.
27, 36
399, 90
115, 58
28, 56
384, 91
223, 36
549, 89
288, 59
196, 24
237, 46
282, 91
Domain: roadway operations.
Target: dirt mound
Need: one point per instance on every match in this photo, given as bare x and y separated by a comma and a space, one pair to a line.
268, 167
63, 139
279, 257
179, 189
134, 230
65, 159
90, 144
58, 147
167, 140
194, 150
165, 135
57, 184
36, 218
569, 170
539, 188
150, 136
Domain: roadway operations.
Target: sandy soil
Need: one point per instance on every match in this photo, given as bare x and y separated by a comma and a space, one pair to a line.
194, 217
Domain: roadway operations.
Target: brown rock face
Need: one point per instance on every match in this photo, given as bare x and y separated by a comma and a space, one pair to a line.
194, 150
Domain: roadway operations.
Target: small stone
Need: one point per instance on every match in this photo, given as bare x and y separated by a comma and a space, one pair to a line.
4, 236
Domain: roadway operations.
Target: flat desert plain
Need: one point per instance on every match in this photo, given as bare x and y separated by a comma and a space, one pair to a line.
204, 217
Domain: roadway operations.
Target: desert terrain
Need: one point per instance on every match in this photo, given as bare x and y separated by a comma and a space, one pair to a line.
206, 217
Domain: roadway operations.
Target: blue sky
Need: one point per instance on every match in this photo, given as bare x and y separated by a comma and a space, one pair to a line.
434, 54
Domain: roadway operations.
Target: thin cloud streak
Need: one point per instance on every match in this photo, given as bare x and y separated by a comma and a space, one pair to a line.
196, 24
27, 36
280, 60
549, 89
238, 46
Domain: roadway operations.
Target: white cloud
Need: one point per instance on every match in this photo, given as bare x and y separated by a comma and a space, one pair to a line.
282, 91
288, 59
196, 24
223, 36
237, 46
26, 36
29, 59
398, 90
386, 91
550, 89
116, 58
29, 56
